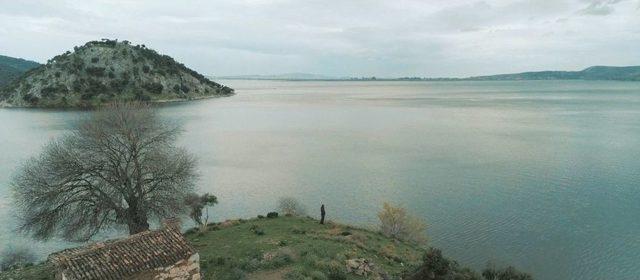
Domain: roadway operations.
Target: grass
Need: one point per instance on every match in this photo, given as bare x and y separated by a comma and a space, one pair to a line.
301, 247
285, 247
36, 272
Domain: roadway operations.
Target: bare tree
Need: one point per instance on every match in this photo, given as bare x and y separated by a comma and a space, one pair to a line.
120, 166
291, 206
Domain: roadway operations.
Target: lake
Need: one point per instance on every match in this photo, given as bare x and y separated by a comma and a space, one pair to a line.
543, 175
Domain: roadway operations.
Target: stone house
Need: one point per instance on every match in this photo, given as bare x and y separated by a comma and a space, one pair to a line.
160, 254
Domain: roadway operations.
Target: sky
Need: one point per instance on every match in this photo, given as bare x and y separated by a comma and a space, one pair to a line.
452, 38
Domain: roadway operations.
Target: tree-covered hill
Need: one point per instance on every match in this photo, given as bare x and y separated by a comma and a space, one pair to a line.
100, 72
11, 68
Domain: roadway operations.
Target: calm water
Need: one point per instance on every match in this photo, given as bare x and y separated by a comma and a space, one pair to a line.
541, 175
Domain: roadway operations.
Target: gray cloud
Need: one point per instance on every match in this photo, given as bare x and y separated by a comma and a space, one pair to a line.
358, 37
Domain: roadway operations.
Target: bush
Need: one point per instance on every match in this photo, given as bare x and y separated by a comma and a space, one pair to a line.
257, 230
17, 258
334, 271
176, 88
185, 88
395, 222
95, 71
291, 207
31, 99
272, 215
437, 267
155, 88
508, 273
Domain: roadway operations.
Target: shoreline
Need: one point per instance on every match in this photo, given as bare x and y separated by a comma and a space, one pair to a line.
5, 105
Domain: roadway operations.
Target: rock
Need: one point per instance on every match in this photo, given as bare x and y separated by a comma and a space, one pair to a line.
360, 267
268, 256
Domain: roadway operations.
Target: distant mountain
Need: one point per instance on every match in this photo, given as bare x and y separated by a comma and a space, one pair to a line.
11, 68
628, 73
286, 76
103, 71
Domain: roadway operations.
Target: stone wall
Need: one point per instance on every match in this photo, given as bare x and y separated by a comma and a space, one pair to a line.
188, 269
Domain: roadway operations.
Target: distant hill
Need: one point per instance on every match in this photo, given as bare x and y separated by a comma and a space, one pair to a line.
286, 76
11, 68
628, 73
103, 71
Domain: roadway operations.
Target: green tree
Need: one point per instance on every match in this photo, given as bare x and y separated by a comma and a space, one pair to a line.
196, 203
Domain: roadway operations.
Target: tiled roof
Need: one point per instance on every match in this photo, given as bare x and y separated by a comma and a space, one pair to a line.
122, 258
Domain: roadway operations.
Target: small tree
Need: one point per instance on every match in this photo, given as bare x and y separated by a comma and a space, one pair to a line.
16, 258
119, 166
196, 203
396, 223
291, 206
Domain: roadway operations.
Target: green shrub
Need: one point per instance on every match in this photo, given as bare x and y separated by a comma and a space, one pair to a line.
33, 100
95, 71
395, 222
185, 88
155, 88
272, 215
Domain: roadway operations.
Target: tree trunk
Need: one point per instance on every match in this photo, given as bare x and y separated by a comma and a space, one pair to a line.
137, 221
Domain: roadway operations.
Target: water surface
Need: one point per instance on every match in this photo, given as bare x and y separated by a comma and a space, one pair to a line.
543, 175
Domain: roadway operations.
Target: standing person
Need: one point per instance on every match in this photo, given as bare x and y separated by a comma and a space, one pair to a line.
322, 213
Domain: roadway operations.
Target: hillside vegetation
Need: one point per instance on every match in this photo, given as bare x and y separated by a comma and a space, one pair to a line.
104, 71
11, 68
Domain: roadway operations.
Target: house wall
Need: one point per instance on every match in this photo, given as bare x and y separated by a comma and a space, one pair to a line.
188, 269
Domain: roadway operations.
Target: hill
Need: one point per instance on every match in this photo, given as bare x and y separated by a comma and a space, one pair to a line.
103, 71
627, 73
269, 248
297, 248
11, 68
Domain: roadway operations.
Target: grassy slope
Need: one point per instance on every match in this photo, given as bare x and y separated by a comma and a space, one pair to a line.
233, 250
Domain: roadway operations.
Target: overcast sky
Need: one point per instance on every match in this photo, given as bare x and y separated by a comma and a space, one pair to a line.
339, 37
